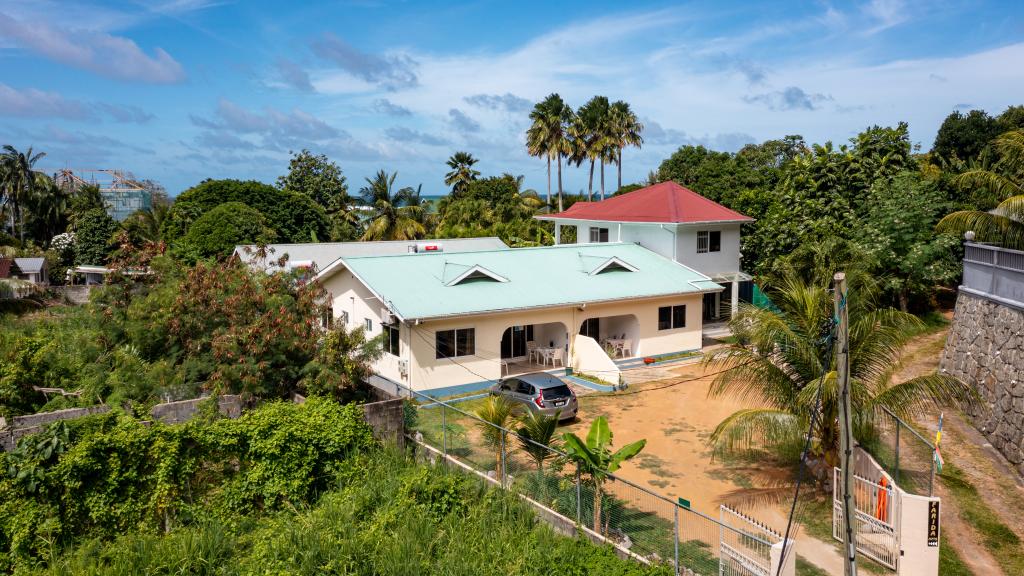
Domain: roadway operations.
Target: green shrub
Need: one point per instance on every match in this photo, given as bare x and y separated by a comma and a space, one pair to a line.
216, 233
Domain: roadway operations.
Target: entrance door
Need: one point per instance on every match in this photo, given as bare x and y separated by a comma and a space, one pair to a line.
513, 341
591, 327
711, 309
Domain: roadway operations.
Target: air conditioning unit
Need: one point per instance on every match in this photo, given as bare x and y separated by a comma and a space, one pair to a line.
386, 317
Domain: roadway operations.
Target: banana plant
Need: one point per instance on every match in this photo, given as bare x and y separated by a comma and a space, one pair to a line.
596, 458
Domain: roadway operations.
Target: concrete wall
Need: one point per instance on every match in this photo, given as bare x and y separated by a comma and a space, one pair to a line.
21, 426
183, 410
387, 419
78, 294
589, 358
985, 348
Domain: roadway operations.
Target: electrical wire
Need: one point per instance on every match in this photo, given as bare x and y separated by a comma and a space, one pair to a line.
829, 344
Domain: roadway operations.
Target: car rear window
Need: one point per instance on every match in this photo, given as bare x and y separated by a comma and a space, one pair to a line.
557, 392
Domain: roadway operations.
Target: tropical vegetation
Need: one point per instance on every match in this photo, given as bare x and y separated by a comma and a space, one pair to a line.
783, 365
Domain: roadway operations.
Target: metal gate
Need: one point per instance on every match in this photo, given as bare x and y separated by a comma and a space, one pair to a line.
876, 519
745, 550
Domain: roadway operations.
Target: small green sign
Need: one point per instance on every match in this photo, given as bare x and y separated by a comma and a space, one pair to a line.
684, 503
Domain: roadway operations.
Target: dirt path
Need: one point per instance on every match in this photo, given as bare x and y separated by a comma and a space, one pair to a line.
983, 467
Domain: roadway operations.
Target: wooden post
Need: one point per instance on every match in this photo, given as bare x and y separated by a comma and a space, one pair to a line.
842, 319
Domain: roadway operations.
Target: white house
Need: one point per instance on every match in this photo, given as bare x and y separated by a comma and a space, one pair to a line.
673, 221
455, 322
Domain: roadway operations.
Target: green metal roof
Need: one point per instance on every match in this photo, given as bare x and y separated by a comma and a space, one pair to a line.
420, 286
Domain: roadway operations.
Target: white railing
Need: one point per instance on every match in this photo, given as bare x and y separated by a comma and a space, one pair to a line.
745, 551
994, 272
876, 525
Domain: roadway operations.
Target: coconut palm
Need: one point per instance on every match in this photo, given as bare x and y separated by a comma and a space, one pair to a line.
536, 435
1005, 224
462, 172
20, 178
624, 131
495, 413
393, 215
589, 136
548, 135
783, 354
596, 458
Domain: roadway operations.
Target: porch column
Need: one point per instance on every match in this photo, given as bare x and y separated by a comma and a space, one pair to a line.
735, 297
558, 233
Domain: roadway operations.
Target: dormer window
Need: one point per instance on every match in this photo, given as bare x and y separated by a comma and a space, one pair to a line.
477, 273
613, 264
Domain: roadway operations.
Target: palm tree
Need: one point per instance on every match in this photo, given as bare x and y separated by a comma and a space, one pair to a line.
393, 215
1005, 224
596, 458
536, 435
783, 354
548, 135
21, 178
625, 131
588, 132
48, 207
495, 413
462, 172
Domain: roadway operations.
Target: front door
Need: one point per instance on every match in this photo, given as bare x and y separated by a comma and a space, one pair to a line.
513, 341
711, 308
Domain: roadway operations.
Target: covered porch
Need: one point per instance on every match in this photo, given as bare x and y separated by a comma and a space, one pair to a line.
618, 335
534, 347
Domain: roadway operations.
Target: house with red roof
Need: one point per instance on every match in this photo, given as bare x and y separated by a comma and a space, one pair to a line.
675, 222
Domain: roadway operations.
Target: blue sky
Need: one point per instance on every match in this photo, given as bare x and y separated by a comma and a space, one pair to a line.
182, 90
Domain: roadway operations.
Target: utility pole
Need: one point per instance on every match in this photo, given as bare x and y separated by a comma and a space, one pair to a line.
845, 430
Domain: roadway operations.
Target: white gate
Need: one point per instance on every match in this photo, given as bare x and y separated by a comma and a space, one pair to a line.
876, 521
744, 545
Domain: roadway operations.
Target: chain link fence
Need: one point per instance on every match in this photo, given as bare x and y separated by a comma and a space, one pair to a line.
648, 525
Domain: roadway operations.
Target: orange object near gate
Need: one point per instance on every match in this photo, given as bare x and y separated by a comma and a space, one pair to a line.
881, 505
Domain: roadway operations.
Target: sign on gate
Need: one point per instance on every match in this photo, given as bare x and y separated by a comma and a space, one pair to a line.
933, 523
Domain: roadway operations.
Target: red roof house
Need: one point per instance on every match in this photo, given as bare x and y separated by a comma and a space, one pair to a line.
662, 203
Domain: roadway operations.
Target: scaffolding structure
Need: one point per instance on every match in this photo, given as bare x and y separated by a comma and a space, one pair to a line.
122, 192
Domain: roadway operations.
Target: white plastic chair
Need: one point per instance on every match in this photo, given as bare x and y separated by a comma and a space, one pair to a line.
531, 351
558, 355
626, 348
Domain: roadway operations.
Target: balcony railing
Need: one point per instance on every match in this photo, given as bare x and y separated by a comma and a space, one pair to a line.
995, 273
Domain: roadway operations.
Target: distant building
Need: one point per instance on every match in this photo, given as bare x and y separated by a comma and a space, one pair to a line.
122, 193
31, 269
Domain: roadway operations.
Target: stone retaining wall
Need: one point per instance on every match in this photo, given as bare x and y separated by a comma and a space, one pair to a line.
985, 348
387, 418
22, 426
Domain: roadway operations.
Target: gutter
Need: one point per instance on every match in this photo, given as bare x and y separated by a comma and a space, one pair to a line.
648, 222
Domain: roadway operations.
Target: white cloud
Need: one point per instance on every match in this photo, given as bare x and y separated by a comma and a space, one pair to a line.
99, 52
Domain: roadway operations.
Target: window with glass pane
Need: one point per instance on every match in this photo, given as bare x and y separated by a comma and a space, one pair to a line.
702, 241
598, 234
715, 241
670, 317
665, 318
391, 339
452, 343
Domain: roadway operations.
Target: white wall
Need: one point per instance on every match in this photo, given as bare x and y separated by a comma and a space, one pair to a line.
678, 242
709, 263
350, 295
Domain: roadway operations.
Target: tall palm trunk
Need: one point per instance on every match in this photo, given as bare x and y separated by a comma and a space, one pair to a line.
590, 185
559, 182
602, 178
619, 164
549, 180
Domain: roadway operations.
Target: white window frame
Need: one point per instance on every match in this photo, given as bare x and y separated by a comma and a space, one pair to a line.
368, 325
598, 230
469, 351
703, 240
388, 329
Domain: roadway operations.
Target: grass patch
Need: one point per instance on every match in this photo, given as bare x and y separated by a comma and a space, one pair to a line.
805, 568
591, 378
997, 537
659, 483
950, 563
815, 515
